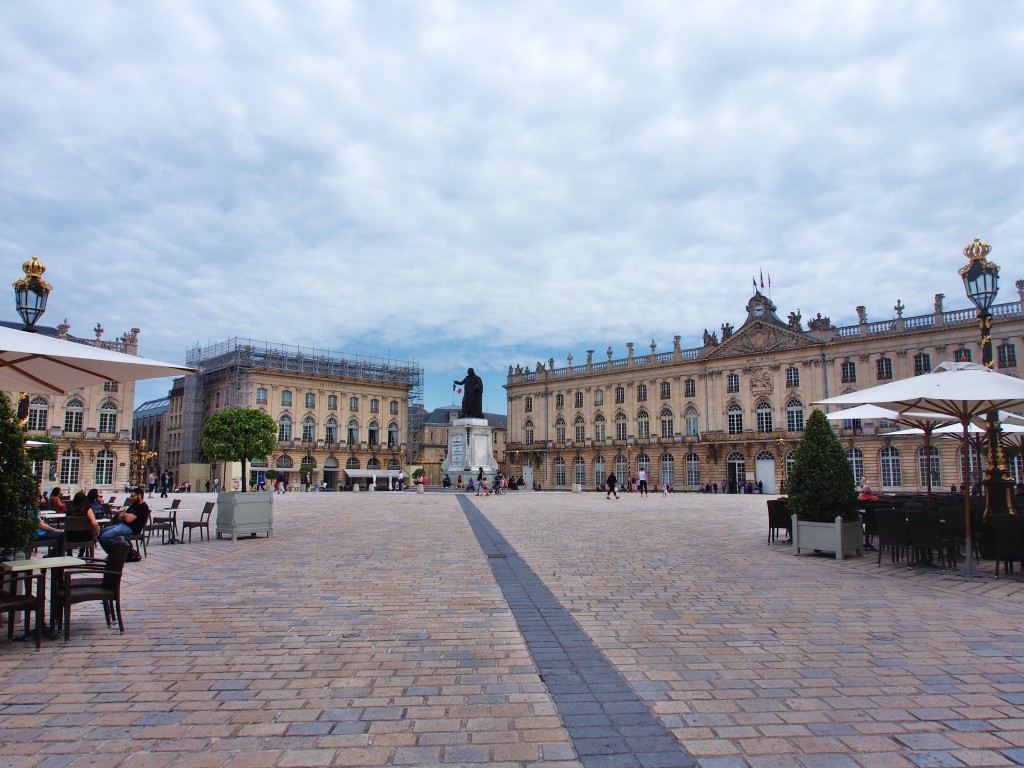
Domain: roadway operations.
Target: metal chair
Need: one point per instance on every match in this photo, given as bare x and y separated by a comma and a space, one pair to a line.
105, 589
779, 519
893, 533
1008, 532
29, 601
202, 523
78, 535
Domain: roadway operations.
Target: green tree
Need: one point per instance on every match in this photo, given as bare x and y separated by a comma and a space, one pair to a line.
821, 483
19, 500
239, 434
46, 452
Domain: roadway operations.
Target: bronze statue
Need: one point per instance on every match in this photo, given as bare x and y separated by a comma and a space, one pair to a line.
472, 396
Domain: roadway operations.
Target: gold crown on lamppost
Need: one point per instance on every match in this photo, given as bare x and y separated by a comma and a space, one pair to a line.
976, 251
33, 269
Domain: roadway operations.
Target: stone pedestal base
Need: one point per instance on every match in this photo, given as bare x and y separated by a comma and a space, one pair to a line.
470, 449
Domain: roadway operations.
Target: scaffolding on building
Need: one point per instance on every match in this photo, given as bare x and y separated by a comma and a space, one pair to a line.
237, 358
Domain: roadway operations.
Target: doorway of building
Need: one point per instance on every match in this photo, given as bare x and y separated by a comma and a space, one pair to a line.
764, 471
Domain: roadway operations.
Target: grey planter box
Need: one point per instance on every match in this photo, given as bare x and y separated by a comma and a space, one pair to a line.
839, 537
245, 514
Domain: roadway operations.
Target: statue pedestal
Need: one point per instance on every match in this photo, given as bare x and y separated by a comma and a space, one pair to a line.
470, 448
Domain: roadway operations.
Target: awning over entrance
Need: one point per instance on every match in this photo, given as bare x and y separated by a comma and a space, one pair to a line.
369, 474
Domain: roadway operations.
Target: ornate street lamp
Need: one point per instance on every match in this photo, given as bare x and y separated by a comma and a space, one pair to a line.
31, 293
981, 283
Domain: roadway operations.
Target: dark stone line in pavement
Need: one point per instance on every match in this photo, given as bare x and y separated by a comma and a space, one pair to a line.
591, 696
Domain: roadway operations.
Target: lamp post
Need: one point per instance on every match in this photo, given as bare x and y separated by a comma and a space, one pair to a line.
981, 283
31, 293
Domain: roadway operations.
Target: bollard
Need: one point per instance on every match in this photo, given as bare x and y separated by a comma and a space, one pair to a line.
419, 488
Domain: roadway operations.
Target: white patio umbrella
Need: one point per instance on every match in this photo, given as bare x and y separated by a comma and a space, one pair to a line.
31, 362
962, 391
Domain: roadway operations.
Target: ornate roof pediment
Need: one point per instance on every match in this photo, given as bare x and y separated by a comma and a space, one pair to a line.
759, 337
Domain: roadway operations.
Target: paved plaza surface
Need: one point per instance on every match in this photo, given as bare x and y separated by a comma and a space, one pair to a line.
531, 629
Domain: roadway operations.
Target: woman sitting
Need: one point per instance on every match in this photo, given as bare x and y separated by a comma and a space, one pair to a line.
867, 495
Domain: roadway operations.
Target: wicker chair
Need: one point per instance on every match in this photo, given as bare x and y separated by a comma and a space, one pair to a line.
202, 523
28, 602
779, 519
100, 582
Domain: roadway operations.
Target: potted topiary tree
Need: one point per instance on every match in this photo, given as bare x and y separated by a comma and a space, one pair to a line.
241, 434
823, 495
19, 499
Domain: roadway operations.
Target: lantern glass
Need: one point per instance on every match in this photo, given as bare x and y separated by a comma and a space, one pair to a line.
981, 282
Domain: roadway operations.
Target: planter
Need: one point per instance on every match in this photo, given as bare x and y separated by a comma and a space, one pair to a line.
244, 514
843, 538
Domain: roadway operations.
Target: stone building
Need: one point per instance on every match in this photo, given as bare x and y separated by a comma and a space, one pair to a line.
148, 423
733, 409
435, 439
343, 417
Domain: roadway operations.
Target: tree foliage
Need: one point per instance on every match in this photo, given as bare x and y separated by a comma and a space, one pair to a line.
46, 452
19, 501
239, 434
821, 482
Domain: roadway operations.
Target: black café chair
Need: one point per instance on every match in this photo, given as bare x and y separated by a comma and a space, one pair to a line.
78, 535
166, 523
926, 540
1008, 532
779, 519
893, 533
28, 602
100, 582
202, 523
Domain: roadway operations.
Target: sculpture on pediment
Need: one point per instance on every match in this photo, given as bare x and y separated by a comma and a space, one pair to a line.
862, 314
726, 331
794, 321
519, 370
938, 301
710, 339
820, 323
510, 370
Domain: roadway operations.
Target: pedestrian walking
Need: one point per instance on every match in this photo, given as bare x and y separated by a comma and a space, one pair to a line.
611, 483
641, 483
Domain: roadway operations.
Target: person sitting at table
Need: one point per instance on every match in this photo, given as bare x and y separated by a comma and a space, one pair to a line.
51, 537
867, 495
80, 507
99, 509
57, 501
127, 523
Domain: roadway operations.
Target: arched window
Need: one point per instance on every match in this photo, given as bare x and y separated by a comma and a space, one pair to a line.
393, 464
579, 470
373, 463
667, 422
892, 475
308, 429
579, 429
922, 464
853, 455
559, 471
374, 433
599, 428
528, 432
392, 435
330, 463
795, 415
37, 410
70, 463
643, 461
643, 424
73, 416
737, 468
108, 417
621, 468
600, 473
104, 468
331, 430
735, 414
353, 432
692, 461
764, 416
352, 463
974, 467
284, 428
284, 462
620, 426
308, 461
668, 469
692, 420
560, 430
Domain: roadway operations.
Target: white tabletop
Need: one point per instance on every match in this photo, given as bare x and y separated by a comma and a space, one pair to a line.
40, 563
53, 515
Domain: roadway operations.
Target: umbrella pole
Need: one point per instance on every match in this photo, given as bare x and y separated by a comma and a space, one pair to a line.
928, 465
968, 570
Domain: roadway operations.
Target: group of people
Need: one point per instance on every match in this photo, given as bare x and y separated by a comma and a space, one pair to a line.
482, 486
165, 482
124, 522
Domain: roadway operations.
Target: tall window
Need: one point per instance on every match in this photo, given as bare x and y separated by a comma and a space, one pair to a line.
690, 388
732, 382
1006, 356
308, 429
310, 400
579, 470
692, 462
332, 402
735, 417
579, 429
668, 469
667, 423
373, 433
393, 408
849, 372
641, 393
795, 416
261, 395
599, 427
892, 475
73, 416
883, 369
974, 467
37, 410
559, 471
1016, 469
666, 390
104, 468
392, 435
620, 395
353, 403
528, 405
578, 399
70, 462
351, 463
961, 355
620, 426
528, 432
284, 428
600, 474
643, 424
922, 463
643, 461
764, 417
922, 363
559, 401
560, 430
621, 468
598, 397
331, 430
352, 431
791, 458
286, 399
374, 405
692, 420
792, 377
737, 467
110, 386
108, 417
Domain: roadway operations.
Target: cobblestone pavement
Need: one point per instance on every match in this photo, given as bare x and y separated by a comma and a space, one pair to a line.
385, 629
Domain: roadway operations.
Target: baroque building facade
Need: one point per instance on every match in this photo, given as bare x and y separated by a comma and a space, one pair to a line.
733, 409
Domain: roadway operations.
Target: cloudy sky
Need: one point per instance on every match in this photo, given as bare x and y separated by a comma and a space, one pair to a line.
485, 184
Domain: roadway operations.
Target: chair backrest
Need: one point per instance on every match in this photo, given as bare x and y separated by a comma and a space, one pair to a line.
892, 527
175, 504
112, 499
77, 529
1009, 535
207, 511
924, 528
116, 558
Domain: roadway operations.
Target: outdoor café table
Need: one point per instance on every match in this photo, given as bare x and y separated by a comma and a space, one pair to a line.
55, 565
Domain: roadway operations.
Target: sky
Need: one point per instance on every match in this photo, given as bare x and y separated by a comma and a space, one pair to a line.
491, 184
